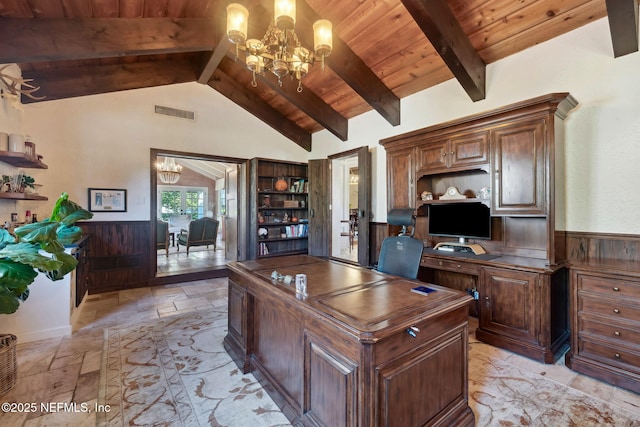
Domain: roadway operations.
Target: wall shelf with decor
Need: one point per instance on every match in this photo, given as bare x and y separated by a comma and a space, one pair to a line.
22, 196
21, 160
278, 208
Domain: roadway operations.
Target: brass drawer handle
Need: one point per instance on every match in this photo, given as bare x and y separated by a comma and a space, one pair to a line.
615, 310
616, 289
617, 333
617, 355
459, 266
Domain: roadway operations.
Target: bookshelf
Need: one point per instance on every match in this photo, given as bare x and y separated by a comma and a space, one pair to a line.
279, 208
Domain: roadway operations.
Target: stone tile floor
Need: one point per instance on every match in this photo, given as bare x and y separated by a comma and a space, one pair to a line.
62, 370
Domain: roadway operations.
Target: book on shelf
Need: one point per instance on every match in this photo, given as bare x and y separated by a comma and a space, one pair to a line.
298, 186
263, 249
299, 230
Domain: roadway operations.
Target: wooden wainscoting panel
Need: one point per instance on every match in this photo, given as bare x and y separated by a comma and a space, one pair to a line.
597, 247
119, 254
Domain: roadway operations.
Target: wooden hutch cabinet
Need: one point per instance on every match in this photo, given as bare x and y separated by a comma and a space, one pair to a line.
516, 153
457, 152
279, 220
400, 178
519, 168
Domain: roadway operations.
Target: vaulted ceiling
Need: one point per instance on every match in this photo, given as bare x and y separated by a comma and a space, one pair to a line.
384, 50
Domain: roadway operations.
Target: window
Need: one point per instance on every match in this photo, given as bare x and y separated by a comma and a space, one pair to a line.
176, 199
222, 203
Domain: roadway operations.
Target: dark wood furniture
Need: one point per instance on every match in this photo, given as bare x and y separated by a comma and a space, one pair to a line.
522, 303
516, 152
605, 320
343, 354
280, 211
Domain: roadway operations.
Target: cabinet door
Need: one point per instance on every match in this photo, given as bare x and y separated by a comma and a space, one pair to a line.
400, 179
508, 303
432, 156
519, 168
237, 335
469, 150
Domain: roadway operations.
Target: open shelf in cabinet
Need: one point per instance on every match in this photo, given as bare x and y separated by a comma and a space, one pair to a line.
468, 183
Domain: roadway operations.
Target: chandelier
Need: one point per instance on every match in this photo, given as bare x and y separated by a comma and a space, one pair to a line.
279, 51
168, 171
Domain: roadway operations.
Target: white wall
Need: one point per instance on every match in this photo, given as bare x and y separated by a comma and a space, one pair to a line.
602, 133
104, 140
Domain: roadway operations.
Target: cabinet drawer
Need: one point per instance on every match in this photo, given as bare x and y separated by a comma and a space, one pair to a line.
616, 308
611, 287
402, 342
609, 354
440, 264
626, 334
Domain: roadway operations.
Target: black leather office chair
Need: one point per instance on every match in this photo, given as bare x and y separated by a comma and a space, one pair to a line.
400, 255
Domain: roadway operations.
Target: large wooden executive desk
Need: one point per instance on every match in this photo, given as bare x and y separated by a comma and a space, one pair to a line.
342, 355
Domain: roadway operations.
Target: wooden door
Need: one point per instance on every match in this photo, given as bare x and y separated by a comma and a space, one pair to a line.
432, 157
508, 303
400, 179
231, 217
319, 215
364, 204
519, 168
468, 149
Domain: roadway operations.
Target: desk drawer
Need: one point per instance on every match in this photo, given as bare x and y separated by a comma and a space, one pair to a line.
621, 288
610, 354
610, 330
615, 308
459, 266
401, 342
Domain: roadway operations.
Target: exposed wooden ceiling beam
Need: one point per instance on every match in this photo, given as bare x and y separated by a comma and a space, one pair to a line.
444, 32
92, 80
34, 40
312, 105
212, 61
250, 101
623, 25
350, 68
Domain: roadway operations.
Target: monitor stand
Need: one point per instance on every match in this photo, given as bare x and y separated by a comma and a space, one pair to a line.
459, 247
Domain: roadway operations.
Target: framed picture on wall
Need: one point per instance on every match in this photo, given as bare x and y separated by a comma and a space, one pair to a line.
107, 200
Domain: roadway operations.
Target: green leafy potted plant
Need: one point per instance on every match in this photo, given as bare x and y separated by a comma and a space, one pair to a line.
38, 247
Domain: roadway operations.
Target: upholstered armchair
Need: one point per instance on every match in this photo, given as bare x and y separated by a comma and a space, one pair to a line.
162, 236
201, 232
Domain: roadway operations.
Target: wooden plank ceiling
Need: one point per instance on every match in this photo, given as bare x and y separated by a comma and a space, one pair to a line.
384, 50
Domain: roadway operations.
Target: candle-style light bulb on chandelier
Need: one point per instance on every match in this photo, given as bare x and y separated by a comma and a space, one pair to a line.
279, 51
168, 171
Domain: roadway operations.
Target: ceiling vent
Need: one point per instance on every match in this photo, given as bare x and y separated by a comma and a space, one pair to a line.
174, 112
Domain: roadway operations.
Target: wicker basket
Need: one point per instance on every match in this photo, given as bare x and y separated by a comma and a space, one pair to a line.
8, 364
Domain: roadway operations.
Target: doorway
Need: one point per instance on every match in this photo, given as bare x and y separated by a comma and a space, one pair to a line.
350, 205
208, 186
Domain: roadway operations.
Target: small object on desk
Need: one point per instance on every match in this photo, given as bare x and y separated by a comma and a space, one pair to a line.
422, 290
426, 195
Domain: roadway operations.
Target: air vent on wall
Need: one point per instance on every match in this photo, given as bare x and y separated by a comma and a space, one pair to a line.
174, 112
